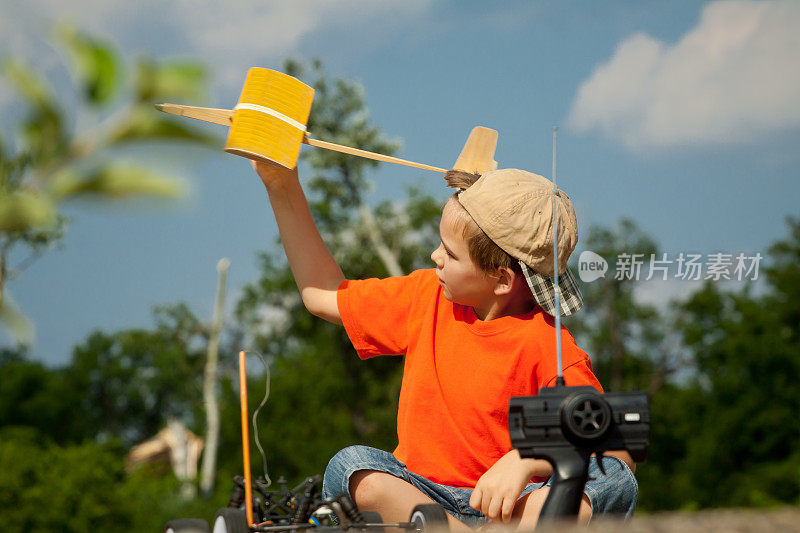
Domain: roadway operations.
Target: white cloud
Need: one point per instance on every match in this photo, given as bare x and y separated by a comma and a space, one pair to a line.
237, 35
229, 36
732, 78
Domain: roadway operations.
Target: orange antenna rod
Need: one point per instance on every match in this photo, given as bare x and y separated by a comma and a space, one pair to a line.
248, 490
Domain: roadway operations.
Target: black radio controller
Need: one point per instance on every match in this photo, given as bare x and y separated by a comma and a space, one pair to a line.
566, 425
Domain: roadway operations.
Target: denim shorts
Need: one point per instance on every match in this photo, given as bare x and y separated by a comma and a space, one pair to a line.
614, 492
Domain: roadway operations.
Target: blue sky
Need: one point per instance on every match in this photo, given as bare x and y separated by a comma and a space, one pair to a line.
683, 116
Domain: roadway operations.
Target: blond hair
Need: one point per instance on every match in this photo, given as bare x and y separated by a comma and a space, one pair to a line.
482, 250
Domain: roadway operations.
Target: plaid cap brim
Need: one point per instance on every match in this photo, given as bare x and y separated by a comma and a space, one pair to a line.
544, 291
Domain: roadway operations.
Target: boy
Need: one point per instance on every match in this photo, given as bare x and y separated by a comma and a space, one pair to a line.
475, 331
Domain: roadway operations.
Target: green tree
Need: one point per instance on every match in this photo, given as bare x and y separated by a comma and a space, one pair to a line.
725, 435
744, 447
629, 341
128, 384
82, 487
57, 161
43, 487
118, 386
37, 397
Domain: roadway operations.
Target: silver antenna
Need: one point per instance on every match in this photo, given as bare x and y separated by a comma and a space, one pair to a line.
560, 375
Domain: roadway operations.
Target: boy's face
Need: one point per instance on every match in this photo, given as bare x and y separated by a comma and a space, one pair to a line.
462, 281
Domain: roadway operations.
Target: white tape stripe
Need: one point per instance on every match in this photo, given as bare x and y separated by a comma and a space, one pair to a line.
272, 112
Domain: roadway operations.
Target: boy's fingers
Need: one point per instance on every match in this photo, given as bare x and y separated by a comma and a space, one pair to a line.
493, 508
270, 172
475, 499
508, 508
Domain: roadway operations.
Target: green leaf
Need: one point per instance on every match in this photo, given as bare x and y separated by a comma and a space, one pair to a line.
29, 85
24, 211
43, 129
117, 181
12, 170
95, 62
182, 80
16, 323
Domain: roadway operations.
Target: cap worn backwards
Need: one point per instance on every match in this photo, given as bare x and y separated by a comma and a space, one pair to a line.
515, 210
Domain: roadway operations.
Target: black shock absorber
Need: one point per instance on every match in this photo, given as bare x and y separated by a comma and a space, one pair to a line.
310, 489
301, 513
350, 509
237, 496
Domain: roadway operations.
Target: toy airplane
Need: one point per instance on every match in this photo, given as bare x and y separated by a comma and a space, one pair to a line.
269, 124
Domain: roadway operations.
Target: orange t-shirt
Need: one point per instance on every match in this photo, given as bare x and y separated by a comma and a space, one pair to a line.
452, 422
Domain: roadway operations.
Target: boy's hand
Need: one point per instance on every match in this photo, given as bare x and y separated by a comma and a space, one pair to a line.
497, 490
273, 173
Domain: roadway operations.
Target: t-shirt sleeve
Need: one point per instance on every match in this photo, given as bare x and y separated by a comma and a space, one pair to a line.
577, 365
578, 373
376, 313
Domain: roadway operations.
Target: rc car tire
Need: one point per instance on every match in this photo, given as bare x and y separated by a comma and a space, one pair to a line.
428, 516
230, 521
186, 525
372, 517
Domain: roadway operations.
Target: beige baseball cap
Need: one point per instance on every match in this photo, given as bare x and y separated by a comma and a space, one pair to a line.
515, 209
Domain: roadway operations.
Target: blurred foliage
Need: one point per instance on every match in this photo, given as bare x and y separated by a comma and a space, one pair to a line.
57, 161
128, 384
744, 445
122, 386
95, 64
629, 341
83, 487
725, 435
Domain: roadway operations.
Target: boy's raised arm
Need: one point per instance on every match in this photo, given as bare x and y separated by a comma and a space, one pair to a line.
315, 270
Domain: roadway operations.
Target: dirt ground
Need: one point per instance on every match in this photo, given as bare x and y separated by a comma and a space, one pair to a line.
728, 520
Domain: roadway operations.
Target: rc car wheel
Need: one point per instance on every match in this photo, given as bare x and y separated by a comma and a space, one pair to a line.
186, 525
428, 516
230, 521
372, 517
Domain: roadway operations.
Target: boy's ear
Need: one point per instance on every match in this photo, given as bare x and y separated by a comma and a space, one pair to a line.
505, 281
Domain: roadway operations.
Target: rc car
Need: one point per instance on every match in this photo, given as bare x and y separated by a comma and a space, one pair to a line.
253, 508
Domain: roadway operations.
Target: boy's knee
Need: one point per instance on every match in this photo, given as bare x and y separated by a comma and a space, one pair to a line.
335, 482
368, 488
